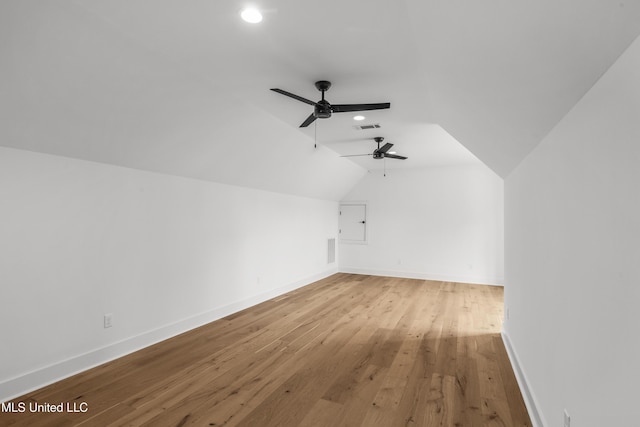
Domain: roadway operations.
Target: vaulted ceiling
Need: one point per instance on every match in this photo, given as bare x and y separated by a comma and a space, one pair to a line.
182, 86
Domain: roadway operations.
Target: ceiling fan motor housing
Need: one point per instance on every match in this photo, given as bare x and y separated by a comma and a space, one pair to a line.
376, 154
322, 110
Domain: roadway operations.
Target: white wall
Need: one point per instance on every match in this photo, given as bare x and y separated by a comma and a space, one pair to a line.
162, 253
572, 225
440, 223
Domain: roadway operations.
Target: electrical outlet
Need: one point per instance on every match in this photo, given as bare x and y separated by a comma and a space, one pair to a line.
567, 419
507, 313
108, 319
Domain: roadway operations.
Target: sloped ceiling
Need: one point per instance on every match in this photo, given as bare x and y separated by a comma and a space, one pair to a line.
181, 87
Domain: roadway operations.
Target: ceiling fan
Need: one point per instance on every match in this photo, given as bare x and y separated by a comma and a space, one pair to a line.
323, 109
380, 152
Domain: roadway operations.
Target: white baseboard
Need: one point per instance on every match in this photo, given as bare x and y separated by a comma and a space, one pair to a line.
425, 276
537, 419
22, 384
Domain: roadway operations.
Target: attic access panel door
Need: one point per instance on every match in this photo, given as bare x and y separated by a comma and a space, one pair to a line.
353, 223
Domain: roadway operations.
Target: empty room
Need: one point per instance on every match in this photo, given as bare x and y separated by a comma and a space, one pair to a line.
337, 213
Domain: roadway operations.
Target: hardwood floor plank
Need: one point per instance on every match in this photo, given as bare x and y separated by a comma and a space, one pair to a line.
348, 350
322, 413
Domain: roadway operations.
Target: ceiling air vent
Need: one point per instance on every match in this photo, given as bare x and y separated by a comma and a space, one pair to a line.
366, 127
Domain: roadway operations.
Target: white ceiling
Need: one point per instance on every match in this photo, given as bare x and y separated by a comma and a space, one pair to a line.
182, 86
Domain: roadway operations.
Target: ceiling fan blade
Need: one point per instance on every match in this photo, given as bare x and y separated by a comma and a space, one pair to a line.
308, 121
344, 108
357, 155
289, 94
393, 156
384, 148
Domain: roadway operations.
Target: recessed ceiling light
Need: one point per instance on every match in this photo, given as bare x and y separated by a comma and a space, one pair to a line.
251, 15
392, 152
358, 118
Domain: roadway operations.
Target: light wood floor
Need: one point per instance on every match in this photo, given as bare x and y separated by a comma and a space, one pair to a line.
348, 350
